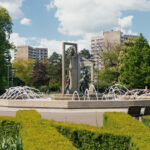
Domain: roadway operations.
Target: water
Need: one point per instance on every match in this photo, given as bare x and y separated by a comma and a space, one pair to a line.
86, 95
19, 92
92, 86
75, 93
120, 92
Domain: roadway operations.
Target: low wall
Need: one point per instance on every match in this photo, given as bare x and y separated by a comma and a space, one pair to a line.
84, 112
59, 104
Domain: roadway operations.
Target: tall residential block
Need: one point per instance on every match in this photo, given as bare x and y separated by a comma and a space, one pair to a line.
28, 52
107, 41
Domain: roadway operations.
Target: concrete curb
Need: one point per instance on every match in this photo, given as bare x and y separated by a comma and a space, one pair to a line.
60, 104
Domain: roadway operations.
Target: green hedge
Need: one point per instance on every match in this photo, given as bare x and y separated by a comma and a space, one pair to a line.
146, 120
86, 139
37, 134
127, 125
120, 132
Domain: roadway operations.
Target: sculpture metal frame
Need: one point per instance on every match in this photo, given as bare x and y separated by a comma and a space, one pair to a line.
73, 68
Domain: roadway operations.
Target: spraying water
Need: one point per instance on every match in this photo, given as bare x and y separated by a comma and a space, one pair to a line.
75, 93
21, 93
86, 94
92, 86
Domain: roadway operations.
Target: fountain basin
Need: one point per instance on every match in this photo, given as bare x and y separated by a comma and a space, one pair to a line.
73, 104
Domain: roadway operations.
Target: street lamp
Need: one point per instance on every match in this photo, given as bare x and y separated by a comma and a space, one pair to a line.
98, 68
8, 76
97, 77
13, 72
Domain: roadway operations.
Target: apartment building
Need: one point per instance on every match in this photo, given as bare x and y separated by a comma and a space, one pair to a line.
28, 52
107, 41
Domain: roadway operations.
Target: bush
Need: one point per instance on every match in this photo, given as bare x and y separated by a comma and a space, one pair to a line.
36, 133
127, 125
146, 120
88, 137
120, 132
9, 134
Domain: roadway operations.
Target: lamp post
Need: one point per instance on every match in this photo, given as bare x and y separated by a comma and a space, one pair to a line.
12, 79
98, 68
8, 75
97, 76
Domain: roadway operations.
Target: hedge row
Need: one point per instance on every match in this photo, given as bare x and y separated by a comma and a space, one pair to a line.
37, 134
120, 132
127, 125
86, 139
146, 120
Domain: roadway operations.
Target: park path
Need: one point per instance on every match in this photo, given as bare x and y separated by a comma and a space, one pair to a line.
82, 116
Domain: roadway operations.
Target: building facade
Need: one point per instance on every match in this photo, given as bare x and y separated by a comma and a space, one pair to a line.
107, 42
28, 52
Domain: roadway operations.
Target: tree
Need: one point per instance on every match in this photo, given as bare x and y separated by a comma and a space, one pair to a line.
134, 62
24, 70
55, 71
85, 53
40, 74
5, 46
109, 73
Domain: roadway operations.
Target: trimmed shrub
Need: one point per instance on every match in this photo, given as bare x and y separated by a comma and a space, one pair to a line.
127, 125
86, 139
120, 132
36, 133
146, 120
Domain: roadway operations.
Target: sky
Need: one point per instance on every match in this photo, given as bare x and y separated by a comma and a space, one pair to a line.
47, 23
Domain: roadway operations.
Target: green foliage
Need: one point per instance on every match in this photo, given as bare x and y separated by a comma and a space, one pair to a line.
24, 70
146, 120
134, 61
109, 73
11, 143
87, 138
120, 132
37, 133
85, 53
107, 78
110, 58
55, 71
40, 74
5, 46
127, 125
9, 134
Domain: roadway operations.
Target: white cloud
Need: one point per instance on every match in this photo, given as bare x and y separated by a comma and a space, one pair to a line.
79, 17
50, 5
130, 32
125, 22
52, 45
25, 21
13, 7
17, 39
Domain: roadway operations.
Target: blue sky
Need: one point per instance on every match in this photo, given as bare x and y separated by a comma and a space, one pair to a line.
47, 23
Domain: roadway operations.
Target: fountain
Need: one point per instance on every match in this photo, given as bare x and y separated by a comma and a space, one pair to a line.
75, 93
15, 93
86, 94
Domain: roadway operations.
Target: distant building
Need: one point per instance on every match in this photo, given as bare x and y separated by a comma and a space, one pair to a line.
28, 52
107, 41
